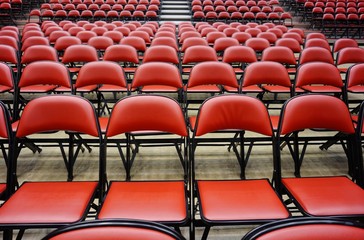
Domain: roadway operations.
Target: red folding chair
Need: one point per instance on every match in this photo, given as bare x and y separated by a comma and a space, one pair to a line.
221, 44
208, 78
315, 54
85, 35
62, 202
213, 36
64, 42
317, 42
38, 53
239, 57
158, 77
165, 39
267, 77
103, 78
258, 44
160, 201
125, 55
233, 202
283, 55
196, 54
161, 54
349, 56
137, 42
34, 80
344, 43
76, 56
319, 196
319, 77
101, 43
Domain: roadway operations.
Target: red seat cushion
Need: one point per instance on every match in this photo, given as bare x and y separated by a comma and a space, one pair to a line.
186, 70
89, 88
356, 89
48, 202
159, 88
62, 89
281, 89
238, 70
129, 69
238, 200
322, 89
37, 88
252, 89
74, 69
324, 196
204, 88
4, 88
151, 201
276, 89
230, 89
111, 88
291, 70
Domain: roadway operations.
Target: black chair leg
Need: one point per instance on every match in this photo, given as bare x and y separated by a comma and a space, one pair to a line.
20, 234
8, 234
206, 233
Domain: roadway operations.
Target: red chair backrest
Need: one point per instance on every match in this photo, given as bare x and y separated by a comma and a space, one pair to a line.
45, 72
212, 73
102, 72
79, 53
315, 111
121, 53
157, 73
233, 112
146, 113
318, 73
58, 112
355, 75
266, 73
